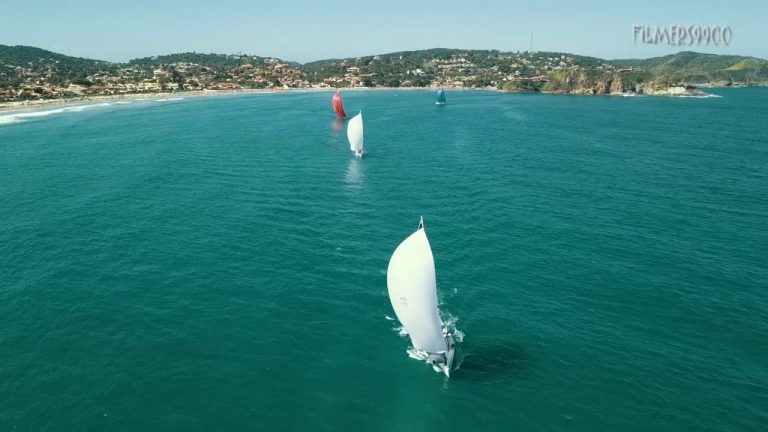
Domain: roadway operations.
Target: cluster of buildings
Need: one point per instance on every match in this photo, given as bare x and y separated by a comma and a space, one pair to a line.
460, 72
470, 70
43, 80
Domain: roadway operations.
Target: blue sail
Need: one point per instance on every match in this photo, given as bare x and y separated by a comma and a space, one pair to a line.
440, 97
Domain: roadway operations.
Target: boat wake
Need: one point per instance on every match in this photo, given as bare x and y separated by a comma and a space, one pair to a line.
450, 323
417, 354
169, 99
397, 328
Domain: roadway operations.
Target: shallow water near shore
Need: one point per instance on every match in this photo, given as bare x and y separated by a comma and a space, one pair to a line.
220, 263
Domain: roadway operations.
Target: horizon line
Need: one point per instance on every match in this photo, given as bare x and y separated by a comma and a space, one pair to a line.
240, 53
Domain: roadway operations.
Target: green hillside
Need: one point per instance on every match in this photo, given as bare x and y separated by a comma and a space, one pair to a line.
696, 67
36, 61
208, 60
33, 73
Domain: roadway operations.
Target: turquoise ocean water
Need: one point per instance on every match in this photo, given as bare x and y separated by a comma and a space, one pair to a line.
219, 264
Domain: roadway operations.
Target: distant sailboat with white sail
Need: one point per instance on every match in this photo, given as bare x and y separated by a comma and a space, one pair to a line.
412, 287
355, 134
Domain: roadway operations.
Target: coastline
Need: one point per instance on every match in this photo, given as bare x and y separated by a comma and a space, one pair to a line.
38, 105
35, 105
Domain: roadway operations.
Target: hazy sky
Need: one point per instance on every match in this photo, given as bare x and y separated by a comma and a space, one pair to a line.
304, 30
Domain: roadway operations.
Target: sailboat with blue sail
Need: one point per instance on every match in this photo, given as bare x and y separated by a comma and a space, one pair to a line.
440, 97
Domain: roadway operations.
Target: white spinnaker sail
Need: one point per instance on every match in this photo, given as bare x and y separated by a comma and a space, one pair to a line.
413, 292
355, 132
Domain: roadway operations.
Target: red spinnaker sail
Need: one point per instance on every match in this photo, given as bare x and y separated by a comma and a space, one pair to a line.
337, 106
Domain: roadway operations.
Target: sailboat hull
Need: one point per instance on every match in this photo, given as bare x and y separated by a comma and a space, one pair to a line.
440, 362
449, 355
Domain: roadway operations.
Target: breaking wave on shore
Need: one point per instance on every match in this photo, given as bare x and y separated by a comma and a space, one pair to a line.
18, 117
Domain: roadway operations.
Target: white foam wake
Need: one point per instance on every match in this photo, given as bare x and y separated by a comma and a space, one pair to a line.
417, 354
401, 331
449, 322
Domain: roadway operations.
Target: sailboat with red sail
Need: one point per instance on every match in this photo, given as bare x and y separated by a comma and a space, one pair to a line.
337, 105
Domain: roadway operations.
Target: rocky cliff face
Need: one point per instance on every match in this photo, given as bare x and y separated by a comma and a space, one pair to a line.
618, 86
582, 81
652, 90
673, 90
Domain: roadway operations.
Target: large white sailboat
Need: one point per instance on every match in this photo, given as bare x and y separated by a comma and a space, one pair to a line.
355, 134
412, 290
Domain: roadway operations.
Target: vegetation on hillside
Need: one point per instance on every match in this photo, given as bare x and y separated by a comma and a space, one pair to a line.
17, 61
693, 67
30, 73
208, 60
